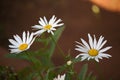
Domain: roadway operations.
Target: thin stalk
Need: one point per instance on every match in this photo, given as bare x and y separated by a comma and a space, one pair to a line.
36, 66
99, 70
61, 52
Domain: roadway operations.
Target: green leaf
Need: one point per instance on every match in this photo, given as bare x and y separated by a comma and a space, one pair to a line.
83, 72
21, 55
93, 78
75, 60
68, 77
48, 44
50, 74
26, 56
89, 76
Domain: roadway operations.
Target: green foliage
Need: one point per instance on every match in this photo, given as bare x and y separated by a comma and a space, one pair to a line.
83, 72
40, 60
41, 66
7, 73
90, 77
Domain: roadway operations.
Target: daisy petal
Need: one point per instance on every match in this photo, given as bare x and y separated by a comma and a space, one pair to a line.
15, 51
81, 47
52, 32
39, 32
12, 46
96, 58
17, 39
85, 43
102, 44
13, 42
77, 56
81, 50
24, 37
95, 42
83, 58
37, 27
89, 57
57, 25
105, 49
32, 41
52, 20
80, 44
90, 41
62, 77
42, 22
30, 38
53, 29
48, 31
99, 42
59, 20
45, 20
105, 55
100, 57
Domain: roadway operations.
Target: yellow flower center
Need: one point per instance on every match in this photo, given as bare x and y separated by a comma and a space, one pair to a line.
23, 46
47, 27
93, 52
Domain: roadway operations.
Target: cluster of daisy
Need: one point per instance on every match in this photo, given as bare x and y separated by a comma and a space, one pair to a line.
24, 43
91, 50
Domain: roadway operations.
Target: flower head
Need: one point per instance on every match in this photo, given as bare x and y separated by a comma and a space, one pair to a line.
62, 77
93, 50
19, 45
48, 26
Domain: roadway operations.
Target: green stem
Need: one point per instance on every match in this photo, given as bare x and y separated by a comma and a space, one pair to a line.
36, 66
97, 65
61, 52
29, 57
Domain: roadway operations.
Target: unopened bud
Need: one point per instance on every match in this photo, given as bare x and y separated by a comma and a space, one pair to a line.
69, 62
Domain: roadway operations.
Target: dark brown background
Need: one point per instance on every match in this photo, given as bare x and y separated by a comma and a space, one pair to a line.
19, 15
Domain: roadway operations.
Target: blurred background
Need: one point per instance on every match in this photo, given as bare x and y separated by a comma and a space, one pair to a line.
99, 17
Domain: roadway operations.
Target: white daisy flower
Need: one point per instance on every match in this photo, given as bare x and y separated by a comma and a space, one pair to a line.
62, 77
18, 45
47, 26
93, 50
